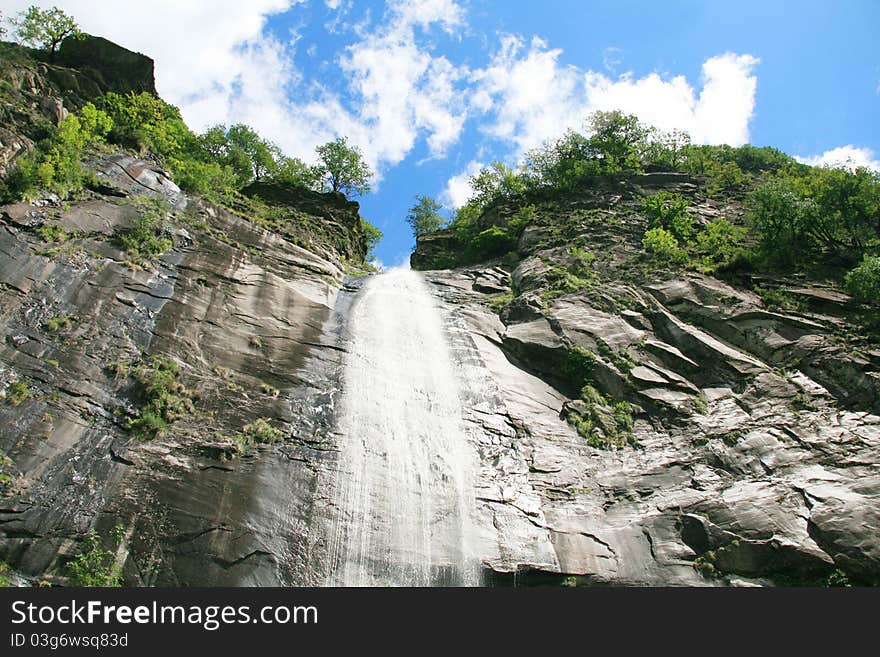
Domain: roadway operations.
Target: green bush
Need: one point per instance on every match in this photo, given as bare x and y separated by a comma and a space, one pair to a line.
603, 424
863, 282
719, 244
149, 234
372, 236
49, 233
55, 164
577, 274
577, 366
95, 566
17, 393
493, 241
262, 431
59, 323
165, 398
669, 211
818, 211
724, 177
663, 245
778, 299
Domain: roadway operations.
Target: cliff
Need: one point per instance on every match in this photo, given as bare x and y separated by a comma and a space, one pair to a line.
144, 392
173, 373
722, 438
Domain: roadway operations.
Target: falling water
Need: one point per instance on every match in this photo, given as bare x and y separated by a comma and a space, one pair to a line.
403, 491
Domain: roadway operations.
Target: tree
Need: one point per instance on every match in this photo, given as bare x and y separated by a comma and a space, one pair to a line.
863, 282
343, 167
495, 183
256, 157
424, 216
372, 236
617, 139
46, 29
293, 171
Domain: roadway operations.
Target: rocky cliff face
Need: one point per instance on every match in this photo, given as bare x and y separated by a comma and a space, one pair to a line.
753, 453
219, 328
751, 456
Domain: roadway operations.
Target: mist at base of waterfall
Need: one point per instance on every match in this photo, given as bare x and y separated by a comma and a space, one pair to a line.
403, 493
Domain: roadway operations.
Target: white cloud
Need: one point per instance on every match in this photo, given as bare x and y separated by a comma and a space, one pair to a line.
404, 90
458, 189
535, 97
849, 157
447, 13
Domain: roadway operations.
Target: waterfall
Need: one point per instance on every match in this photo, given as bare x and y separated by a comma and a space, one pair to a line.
403, 491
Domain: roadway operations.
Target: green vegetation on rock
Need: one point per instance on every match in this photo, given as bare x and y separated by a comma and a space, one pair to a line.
262, 431
424, 216
863, 282
18, 393
94, 565
45, 28
149, 235
165, 398
604, 424
55, 164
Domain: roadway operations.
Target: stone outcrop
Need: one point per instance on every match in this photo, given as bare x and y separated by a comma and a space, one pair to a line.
38, 94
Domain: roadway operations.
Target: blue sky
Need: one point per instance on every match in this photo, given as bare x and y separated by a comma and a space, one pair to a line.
432, 89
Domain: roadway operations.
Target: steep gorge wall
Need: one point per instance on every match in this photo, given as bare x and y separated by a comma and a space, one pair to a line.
238, 307
753, 455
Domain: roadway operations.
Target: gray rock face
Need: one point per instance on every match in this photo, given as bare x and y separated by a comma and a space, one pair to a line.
244, 313
743, 487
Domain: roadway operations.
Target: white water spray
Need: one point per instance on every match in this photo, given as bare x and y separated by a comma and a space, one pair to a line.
403, 492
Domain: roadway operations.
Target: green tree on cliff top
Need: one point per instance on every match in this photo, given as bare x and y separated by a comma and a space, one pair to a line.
343, 167
424, 216
46, 29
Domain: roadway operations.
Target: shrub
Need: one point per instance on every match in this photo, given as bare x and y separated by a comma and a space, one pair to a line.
820, 210
603, 424
17, 393
269, 390
56, 162
863, 282
777, 299
577, 366
576, 275
59, 323
497, 303
719, 244
724, 177
95, 566
372, 236
165, 397
49, 233
262, 431
669, 211
493, 241
4, 569
149, 235
663, 245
